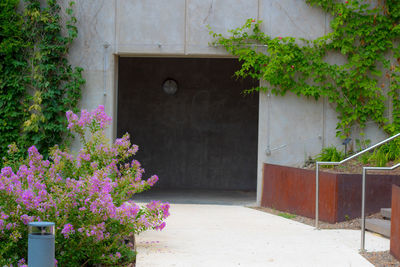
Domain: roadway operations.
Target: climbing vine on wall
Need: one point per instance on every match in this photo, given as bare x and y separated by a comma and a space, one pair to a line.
37, 84
365, 35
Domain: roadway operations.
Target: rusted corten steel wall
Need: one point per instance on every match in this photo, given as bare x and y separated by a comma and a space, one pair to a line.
293, 190
395, 224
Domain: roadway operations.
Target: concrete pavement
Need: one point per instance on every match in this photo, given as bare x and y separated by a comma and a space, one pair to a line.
191, 196
222, 235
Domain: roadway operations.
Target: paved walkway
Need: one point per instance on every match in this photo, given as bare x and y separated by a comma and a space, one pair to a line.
220, 235
190, 196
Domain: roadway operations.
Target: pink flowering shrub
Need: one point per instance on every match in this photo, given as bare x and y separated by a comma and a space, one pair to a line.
86, 195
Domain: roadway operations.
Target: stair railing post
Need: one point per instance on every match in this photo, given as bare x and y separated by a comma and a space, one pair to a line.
363, 211
316, 195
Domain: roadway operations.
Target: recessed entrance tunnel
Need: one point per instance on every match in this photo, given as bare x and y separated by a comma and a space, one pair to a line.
193, 126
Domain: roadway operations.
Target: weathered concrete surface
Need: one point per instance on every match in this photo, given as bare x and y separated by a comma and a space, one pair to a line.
212, 235
292, 18
152, 26
178, 28
220, 15
93, 51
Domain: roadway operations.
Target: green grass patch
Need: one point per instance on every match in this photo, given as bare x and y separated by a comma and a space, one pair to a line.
286, 215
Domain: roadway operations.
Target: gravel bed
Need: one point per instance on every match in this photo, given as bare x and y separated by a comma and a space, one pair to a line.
353, 166
381, 259
349, 224
378, 259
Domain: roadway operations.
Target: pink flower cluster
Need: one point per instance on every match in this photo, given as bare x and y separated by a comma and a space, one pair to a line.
67, 230
96, 231
87, 195
88, 118
152, 180
22, 263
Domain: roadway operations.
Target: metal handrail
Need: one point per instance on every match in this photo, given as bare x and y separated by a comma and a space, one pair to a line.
338, 163
365, 169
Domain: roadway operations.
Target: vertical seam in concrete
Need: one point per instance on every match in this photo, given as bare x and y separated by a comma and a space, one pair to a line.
263, 101
116, 49
269, 100
185, 31
115, 95
324, 103
105, 75
115, 76
323, 121
259, 147
390, 99
258, 9
269, 18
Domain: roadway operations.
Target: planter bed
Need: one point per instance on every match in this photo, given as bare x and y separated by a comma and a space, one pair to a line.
293, 190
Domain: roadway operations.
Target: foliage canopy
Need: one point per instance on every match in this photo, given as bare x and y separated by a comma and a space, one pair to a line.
366, 35
37, 84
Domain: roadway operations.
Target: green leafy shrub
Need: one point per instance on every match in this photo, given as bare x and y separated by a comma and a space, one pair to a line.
378, 158
87, 196
330, 154
391, 150
382, 155
365, 158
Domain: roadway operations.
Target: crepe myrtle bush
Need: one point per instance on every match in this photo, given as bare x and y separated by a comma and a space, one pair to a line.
87, 195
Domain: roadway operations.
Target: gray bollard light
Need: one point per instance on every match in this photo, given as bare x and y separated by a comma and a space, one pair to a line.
41, 244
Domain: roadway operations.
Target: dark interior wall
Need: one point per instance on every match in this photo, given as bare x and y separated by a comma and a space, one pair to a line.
204, 136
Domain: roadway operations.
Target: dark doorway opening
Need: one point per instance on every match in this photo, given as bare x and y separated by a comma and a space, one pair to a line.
201, 136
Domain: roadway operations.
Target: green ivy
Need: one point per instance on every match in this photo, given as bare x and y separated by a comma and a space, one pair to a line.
37, 84
365, 35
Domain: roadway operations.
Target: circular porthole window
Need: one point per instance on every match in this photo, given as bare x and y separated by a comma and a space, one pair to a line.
170, 86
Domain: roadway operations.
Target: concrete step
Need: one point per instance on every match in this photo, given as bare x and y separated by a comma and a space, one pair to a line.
386, 213
378, 226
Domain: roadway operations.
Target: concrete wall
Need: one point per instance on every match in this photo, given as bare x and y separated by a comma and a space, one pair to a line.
291, 128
